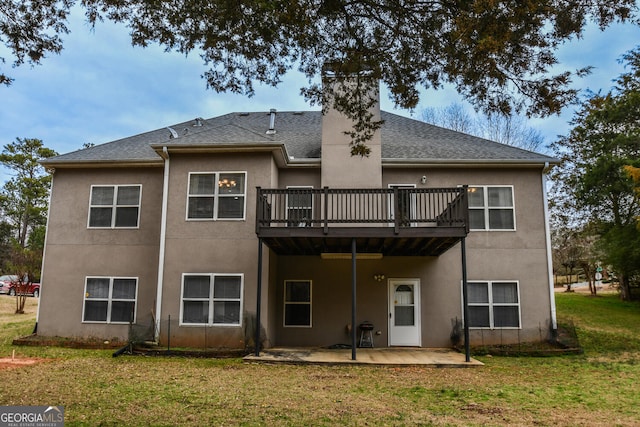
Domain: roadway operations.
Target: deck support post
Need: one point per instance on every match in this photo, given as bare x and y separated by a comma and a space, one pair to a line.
465, 301
354, 328
256, 338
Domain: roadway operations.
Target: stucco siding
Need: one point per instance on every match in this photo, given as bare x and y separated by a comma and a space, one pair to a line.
74, 251
213, 247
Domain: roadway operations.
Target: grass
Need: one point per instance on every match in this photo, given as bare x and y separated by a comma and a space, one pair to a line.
596, 388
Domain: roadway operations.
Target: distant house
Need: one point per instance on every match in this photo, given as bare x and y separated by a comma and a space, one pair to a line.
196, 221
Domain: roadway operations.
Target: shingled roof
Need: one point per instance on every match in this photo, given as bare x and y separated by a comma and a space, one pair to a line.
403, 140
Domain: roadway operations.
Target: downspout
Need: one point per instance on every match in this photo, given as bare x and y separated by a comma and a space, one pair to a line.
163, 237
552, 296
465, 300
44, 251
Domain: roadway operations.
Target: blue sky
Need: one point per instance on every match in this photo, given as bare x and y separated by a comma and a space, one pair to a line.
100, 88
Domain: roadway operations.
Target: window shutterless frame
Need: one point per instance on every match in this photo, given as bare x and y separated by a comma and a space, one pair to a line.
114, 206
495, 302
211, 299
490, 206
216, 196
110, 300
297, 309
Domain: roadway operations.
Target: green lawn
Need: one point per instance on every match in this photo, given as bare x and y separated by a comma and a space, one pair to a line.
599, 387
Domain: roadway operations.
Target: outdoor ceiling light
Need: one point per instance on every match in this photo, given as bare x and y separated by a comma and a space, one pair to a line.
334, 255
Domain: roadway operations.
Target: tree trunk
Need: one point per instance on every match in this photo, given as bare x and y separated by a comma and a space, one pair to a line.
625, 288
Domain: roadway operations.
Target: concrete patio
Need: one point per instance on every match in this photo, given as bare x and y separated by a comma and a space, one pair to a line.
396, 356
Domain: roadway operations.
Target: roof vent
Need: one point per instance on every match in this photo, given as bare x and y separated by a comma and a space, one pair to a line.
272, 122
298, 113
243, 114
198, 122
173, 134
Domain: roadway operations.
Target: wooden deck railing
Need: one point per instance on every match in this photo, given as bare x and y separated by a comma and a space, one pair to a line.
392, 207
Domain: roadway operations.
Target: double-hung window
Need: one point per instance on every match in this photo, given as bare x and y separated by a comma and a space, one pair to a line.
297, 303
216, 195
491, 208
211, 299
114, 206
493, 304
110, 299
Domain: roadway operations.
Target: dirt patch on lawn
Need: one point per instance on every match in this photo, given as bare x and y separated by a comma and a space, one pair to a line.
17, 362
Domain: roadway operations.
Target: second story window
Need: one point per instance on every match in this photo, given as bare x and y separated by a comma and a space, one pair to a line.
216, 195
114, 206
491, 208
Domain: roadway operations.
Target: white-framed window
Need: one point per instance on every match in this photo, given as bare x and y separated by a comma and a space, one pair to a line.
114, 206
494, 304
216, 195
299, 206
211, 299
110, 300
297, 303
491, 207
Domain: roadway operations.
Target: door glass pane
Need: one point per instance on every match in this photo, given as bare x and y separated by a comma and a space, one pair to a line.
404, 295
404, 315
299, 198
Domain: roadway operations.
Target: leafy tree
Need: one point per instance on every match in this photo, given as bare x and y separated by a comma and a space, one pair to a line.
497, 54
25, 264
511, 130
6, 242
24, 197
30, 29
634, 172
605, 138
